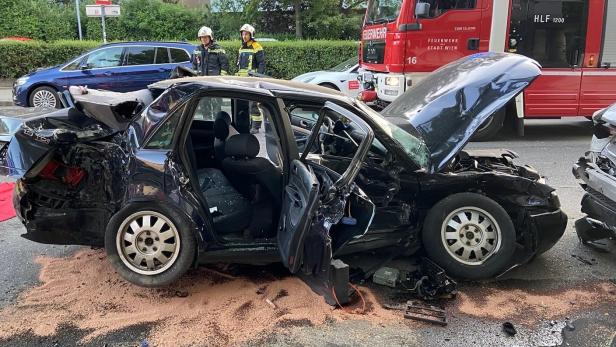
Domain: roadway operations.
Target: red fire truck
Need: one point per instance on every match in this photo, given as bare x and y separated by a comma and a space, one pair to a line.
573, 40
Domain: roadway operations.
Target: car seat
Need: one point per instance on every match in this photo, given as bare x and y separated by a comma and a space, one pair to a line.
256, 178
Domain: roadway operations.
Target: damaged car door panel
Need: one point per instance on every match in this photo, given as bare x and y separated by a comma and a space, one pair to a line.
142, 174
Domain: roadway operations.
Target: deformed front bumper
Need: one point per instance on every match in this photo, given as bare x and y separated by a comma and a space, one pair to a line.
599, 202
548, 227
600, 220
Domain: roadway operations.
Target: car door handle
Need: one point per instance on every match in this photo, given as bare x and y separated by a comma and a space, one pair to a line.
304, 124
107, 73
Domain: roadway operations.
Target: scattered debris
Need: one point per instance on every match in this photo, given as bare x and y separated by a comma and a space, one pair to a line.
261, 290
428, 282
281, 294
584, 260
509, 329
271, 303
181, 293
569, 326
416, 310
387, 276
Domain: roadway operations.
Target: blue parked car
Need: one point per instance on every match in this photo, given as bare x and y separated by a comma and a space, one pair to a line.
118, 67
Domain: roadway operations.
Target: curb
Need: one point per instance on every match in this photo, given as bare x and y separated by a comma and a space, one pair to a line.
6, 103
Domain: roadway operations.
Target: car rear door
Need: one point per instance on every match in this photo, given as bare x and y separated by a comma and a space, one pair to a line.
139, 70
310, 210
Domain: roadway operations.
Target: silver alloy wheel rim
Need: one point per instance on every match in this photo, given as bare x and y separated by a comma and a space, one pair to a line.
44, 98
471, 235
148, 243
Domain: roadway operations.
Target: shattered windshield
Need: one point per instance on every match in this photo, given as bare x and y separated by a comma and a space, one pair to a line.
345, 65
413, 146
383, 11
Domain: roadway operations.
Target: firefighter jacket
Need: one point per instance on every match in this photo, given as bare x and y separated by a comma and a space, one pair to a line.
211, 60
251, 58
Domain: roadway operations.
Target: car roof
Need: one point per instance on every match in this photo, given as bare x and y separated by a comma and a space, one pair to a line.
148, 43
269, 85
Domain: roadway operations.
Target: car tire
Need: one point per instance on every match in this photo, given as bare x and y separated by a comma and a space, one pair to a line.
483, 243
330, 86
45, 97
488, 130
154, 253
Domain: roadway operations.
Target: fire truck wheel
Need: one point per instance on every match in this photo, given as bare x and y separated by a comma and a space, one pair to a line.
490, 127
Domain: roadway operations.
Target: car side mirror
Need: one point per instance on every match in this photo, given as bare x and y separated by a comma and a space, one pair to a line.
86, 66
422, 10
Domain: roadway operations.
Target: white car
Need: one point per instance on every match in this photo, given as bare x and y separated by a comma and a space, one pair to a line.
342, 77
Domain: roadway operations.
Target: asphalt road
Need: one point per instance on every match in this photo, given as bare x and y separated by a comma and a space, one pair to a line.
551, 147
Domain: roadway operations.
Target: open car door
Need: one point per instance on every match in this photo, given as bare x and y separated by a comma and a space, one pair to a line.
314, 201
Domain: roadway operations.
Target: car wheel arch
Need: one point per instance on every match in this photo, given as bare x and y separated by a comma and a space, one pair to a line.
330, 85
34, 87
494, 263
180, 208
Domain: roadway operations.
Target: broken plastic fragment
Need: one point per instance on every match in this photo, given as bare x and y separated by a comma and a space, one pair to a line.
509, 329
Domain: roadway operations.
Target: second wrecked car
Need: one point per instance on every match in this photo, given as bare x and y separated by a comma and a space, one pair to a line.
597, 174
184, 182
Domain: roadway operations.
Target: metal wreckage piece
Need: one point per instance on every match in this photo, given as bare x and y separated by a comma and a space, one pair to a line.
428, 282
416, 310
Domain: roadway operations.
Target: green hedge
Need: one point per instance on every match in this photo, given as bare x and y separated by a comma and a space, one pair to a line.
285, 59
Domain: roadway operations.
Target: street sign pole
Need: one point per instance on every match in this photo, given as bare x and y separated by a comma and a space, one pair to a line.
103, 9
78, 19
103, 22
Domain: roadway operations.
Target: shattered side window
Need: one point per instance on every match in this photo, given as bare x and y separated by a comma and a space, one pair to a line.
208, 108
163, 138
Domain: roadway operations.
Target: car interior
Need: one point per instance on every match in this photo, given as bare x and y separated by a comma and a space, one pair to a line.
241, 184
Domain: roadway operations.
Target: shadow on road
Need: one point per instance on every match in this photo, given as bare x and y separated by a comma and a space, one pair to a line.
573, 128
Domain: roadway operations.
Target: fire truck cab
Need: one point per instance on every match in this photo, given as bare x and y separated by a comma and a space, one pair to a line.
573, 40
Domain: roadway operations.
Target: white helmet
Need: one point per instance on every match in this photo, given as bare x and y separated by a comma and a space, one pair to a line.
205, 31
249, 28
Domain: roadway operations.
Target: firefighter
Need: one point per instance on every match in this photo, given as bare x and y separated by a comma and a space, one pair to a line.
209, 59
251, 59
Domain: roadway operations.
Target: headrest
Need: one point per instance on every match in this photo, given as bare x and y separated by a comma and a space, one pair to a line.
242, 146
242, 122
221, 125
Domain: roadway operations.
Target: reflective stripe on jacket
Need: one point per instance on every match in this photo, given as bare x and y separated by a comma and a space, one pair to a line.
251, 58
211, 60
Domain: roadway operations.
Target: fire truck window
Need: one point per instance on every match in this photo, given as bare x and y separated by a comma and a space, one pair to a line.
550, 31
438, 7
609, 37
383, 11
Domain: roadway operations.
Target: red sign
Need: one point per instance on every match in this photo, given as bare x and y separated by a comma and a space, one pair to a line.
353, 84
103, 2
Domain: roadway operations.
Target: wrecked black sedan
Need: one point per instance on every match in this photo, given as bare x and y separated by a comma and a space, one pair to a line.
182, 181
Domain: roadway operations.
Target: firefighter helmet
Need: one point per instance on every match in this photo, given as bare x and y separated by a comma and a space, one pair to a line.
249, 28
205, 31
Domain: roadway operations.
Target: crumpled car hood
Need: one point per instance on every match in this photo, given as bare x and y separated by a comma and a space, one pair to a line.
447, 107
